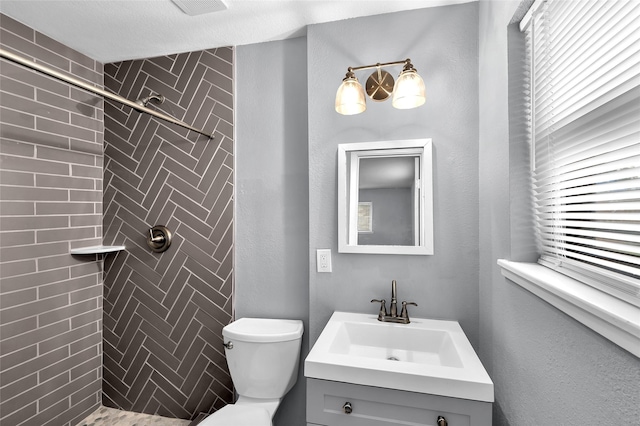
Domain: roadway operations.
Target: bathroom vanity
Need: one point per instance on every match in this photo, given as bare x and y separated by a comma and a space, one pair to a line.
332, 403
362, 372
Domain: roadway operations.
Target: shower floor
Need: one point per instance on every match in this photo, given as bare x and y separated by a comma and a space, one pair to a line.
105, 416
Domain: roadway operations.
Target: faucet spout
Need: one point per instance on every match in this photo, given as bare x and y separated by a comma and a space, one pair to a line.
394, 300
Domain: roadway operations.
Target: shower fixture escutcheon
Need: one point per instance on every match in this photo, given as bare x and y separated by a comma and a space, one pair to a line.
159, 238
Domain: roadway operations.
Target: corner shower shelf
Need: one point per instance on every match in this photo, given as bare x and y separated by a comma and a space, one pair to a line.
96, 249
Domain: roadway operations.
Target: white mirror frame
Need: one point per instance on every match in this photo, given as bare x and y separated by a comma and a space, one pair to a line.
348, 187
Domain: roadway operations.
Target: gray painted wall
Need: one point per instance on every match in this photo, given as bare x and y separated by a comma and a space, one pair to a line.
547, 368
442, 43
272, 213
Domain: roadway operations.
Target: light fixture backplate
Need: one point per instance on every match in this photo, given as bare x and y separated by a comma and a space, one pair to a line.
379, 85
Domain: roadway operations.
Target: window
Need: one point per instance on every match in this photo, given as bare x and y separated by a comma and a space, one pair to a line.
365, 216
584, 130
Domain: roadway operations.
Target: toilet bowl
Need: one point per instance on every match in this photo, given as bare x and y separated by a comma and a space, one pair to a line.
263, 357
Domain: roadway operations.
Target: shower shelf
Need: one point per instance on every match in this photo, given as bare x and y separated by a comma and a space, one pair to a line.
97, 249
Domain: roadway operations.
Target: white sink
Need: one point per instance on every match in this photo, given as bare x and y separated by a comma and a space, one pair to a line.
425, 356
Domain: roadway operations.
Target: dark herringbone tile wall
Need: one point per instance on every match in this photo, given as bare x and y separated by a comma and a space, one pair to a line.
164, 313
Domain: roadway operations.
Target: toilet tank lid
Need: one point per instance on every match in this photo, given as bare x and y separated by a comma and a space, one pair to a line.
263, 330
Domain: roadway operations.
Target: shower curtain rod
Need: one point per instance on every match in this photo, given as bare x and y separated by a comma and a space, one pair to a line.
86, 86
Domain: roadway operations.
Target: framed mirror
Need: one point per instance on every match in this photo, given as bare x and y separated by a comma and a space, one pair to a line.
385, 197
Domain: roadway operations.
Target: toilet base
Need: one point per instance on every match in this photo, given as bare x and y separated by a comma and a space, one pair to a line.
245, 412
271, 405
238, 416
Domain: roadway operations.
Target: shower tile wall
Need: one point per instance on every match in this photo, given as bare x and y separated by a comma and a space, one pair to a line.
164, 313
50, 201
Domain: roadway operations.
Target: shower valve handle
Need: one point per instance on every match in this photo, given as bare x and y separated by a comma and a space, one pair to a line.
160, 238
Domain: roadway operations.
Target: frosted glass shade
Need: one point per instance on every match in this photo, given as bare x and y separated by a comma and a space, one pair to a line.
409, 91
350, 98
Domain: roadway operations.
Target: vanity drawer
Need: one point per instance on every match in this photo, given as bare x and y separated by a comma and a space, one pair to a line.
372, 406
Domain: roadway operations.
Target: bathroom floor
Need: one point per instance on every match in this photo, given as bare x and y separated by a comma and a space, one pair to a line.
105, 416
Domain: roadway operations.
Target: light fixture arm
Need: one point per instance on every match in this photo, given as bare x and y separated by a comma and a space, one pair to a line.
380, 65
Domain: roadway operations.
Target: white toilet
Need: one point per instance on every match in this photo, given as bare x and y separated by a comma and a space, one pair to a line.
263, 357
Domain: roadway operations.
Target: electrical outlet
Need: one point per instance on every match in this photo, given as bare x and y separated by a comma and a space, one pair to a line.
323, 260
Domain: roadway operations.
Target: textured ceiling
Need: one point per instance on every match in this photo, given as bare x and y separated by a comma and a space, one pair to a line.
115, 30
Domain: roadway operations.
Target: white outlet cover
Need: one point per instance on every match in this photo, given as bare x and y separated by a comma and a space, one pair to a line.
323, 260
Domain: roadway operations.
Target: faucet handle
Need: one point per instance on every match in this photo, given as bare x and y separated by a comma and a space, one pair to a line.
383, 308
405, 313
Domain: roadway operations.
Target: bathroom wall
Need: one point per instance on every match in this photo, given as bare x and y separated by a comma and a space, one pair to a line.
442, 44
284, 149
272, 195
547, 368
50, 201
164, 313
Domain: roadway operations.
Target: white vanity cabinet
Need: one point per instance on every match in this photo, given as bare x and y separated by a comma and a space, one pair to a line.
374, 406
395, 374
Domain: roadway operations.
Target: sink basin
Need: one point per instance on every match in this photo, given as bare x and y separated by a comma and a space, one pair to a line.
425, 356
407, 344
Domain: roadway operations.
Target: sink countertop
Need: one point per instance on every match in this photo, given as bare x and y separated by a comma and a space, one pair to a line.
425, 356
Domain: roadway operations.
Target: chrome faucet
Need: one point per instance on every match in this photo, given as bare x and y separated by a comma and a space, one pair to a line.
393, 315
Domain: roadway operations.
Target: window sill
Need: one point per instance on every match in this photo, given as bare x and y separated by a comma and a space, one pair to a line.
614, 319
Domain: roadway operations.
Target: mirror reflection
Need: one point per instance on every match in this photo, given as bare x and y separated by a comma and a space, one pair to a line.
384, 197
387, 192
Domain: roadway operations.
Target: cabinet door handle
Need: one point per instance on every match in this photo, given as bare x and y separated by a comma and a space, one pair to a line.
347, 408
441, 421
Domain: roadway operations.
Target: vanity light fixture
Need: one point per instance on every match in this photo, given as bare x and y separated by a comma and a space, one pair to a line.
408, 91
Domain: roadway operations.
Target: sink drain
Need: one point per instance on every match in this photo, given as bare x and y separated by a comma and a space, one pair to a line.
393, 358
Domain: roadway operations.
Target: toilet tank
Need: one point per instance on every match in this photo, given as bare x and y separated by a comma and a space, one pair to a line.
264, 358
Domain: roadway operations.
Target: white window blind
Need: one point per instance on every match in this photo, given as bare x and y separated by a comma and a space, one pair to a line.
583, 92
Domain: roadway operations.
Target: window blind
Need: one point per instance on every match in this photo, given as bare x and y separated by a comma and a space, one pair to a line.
583, 98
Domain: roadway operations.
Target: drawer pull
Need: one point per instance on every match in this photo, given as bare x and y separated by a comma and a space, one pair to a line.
347, 408
441, 421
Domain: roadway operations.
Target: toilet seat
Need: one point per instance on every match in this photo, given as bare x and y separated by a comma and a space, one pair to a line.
238, 415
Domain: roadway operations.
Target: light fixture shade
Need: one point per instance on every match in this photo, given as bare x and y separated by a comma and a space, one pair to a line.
409, 90
350, 98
